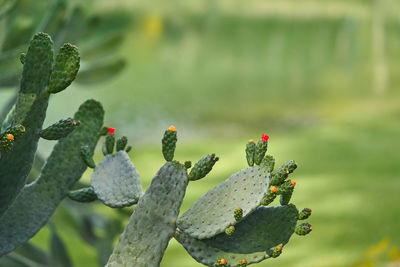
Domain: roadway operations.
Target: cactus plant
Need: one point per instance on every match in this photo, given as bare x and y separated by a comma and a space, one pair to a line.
230, 225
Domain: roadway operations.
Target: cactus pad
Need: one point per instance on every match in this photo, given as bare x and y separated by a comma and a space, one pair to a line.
214, 211
169, 143
86, 194
38, 200
65, 68
152, 224
116, 181
59, 129
265, 228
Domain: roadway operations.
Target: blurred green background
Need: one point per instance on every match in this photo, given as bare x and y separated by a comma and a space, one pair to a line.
320, 77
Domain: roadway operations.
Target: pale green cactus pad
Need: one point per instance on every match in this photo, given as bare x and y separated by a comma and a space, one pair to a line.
152, 224
116, 181
29, 111
214, 211
38, 200
265, 228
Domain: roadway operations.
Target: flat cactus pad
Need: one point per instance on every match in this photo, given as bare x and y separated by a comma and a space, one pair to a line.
265, 228
213, 212
116, 181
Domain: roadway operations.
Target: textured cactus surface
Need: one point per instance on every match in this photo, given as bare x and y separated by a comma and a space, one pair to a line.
38, 200
86, 194
169, 143
256, 234
116, 181
214, 211
29, 111
59, 129
152, 224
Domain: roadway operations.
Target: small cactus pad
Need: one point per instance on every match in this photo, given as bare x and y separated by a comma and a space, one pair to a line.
37, 201
169, 143
213, 211
152, 224
270, 196
265, 228
202, 167
250, 150
230, 230
275, 251
121, 143
87, 157
86, 194
65, 68
291, 165
116, 181
59, 129
261, 149
303, 229
304, 214
279, 176
29, 111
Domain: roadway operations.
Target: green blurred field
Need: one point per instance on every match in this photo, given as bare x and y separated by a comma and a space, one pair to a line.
223, 76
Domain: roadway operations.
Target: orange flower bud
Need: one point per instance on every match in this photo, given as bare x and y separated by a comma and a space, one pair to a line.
308, 209
223, 261
244, 261
279, 247
273, 189
251, 141
172, 128
10, 137
293, 182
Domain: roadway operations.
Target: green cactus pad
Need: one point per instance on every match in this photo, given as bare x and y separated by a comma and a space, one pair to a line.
59, 129
152, 224
30, 111
38, 200
65, 68
86, 194
303, 229
169, 143
260, 151
214, 211
116, 181
109, 144
304, 214
269, 162
202, 167
256, 234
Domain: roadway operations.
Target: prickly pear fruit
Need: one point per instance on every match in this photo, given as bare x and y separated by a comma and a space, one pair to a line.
59, 129
121, 143
238, 214
270, 196
303, 229
276, 251
250, 150
109, 143
230, 230
169, 143
304, 214
202, 167
8, 137
261, 149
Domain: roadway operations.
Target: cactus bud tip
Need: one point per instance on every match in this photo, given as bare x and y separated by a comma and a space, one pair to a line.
279, 247
308, 209
172, 128
293, 182
10, 137
244, 261
273, 189
251, 141
264, 137
223, 261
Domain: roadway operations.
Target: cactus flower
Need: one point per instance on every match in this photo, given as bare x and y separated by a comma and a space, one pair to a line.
172, 128
223, 261
264, 137
273, 189
10, 137
111, 130
293, 182
279, 247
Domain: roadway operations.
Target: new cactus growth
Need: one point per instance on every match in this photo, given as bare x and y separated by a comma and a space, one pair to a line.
303, 229
250, 150
261, 149
202, 167
238, 214
169, 143
59, 129
227, 226
304, 214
